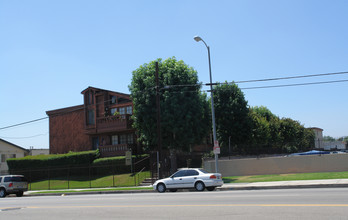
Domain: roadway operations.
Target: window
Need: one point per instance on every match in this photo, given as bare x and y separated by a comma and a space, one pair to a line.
90, 98
90, 117
95, 142
191, 173
15, 179
114, 139
130, 139
122, 111
4, 157
129, 110
113, 110
179, 173
123, 139
113, 99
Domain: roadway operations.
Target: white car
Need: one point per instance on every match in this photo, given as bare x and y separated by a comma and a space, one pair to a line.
189, 178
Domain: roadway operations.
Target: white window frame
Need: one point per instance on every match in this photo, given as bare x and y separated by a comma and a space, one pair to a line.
122, 110
123, 139
114, 140
129, 110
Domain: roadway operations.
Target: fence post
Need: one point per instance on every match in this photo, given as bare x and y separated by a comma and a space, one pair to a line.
89, 176
31, 179
68, 178
135, 180
113, 175
49, 180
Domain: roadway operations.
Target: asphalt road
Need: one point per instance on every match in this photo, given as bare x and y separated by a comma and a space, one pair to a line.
323, 203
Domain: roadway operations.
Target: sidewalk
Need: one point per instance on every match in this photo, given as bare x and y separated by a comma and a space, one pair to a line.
330, 183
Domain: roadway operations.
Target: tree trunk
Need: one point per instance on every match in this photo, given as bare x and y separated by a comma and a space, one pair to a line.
173, 163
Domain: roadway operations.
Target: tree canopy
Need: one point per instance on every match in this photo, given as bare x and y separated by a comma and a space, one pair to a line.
184, 109
231, 112
255, 130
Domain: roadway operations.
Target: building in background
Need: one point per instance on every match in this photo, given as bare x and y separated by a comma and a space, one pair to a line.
9, 150
318, 140
35, 152
320, 143
102, 122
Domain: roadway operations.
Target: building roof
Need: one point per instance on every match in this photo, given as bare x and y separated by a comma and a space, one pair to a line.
64, 110
81, 107
14, 145
315, 128
102, 90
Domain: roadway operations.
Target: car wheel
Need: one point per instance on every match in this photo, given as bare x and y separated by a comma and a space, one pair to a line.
19, 194
199, 186
161, 188
211, 188
173, 190
2, 193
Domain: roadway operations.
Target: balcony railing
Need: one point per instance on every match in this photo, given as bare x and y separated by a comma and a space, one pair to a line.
115, 150
113, 123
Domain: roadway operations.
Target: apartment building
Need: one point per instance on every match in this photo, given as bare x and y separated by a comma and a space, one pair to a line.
102, 122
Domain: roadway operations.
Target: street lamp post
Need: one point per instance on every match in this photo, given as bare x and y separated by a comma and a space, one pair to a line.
216, 144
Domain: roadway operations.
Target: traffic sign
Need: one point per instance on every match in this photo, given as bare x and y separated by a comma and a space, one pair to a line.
216, 148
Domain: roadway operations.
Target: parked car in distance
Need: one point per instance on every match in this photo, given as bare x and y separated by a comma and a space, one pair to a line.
13, 184
187, 178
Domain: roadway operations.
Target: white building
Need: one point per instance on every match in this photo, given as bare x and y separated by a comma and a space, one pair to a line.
326, 145
318, 140
42, 151
9, 150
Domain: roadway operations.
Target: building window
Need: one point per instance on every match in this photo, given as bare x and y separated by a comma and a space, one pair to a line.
4, 157
90, 117
95, 142
113, 99
129, 110
123, 139
122, 110
114, 139
113, 110
130, 139
90, 97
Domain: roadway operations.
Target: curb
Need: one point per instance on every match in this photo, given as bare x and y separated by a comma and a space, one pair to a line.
223, 188
89, 193
282, 187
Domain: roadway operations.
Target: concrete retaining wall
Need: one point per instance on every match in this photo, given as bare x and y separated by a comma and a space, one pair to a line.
280, 165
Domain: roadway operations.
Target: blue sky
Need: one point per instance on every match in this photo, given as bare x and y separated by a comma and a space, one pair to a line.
52, 50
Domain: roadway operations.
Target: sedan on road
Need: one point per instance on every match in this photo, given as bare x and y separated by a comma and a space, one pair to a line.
187, 178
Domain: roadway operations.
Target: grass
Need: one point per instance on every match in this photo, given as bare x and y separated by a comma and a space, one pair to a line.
94, 190
81, 182
285, 177
127, 180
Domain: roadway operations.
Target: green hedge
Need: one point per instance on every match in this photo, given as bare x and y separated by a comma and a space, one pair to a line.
73, 165
117, 164
53, 160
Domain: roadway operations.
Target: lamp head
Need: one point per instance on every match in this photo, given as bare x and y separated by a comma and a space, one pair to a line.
197, 38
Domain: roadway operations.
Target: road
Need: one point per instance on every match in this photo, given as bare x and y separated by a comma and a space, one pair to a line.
323, 203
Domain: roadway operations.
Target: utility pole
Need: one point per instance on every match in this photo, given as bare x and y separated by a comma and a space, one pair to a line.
159, 136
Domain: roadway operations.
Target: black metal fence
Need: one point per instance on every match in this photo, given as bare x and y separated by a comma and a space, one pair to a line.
76, 177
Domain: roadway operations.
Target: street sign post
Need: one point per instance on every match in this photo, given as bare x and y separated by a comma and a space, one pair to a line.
216, 147
128, 158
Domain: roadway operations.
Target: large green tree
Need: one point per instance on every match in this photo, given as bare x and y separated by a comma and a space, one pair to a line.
271, 134
184, 109
232, 117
